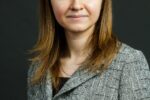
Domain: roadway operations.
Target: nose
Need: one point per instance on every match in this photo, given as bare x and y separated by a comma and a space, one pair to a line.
76, 5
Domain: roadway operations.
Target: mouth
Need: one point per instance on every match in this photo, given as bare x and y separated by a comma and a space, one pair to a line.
76, 16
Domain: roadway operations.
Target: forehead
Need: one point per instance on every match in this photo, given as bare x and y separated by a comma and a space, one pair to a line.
76, 1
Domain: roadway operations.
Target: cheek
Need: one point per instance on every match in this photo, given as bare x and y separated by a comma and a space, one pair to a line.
94, 8
95, 4
56, 7
58, 13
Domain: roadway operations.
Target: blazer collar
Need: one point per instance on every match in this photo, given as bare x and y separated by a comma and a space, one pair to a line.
78, 77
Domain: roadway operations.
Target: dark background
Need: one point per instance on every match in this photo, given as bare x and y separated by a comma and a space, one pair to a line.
19, 28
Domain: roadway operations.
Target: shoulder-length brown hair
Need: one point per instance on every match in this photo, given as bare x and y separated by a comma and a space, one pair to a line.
51, 44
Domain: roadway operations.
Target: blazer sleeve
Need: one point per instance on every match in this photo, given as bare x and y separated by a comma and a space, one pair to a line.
30, 73
135, 79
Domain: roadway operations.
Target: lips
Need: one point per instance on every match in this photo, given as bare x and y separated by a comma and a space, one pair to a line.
76, 16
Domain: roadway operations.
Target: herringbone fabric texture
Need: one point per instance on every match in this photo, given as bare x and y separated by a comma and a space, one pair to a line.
128, 78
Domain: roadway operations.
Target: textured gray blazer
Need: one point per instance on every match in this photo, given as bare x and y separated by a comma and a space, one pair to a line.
128, 78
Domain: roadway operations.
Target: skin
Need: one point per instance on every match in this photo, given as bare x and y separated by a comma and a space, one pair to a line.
78, 18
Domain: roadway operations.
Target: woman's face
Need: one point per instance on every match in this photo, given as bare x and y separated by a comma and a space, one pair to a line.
76, 15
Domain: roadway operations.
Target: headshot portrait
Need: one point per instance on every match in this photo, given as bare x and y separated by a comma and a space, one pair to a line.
78, 56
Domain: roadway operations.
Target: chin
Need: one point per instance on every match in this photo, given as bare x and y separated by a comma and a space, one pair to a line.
77, 28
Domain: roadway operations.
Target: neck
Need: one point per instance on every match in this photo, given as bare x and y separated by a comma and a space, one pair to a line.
77, 42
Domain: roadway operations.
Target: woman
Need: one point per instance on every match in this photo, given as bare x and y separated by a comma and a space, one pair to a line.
77, 56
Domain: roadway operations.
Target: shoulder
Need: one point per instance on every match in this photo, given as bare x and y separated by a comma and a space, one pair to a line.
129, 54
33, 66
135, 71
32, 69
129, 57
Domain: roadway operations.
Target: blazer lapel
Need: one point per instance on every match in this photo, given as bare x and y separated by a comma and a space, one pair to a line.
79, 77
